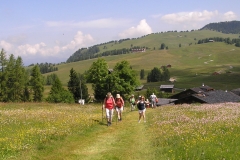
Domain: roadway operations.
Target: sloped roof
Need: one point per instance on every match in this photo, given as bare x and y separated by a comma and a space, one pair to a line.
166, 86
236, 91
139, 87
202, 89
217, 96
206, 94
164, 101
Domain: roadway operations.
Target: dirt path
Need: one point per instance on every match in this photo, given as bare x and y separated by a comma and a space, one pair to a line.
123, 140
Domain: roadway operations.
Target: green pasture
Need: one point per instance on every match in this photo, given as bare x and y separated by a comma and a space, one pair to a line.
192, 64
62, 131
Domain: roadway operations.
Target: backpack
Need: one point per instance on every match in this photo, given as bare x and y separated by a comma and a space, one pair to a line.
119, 102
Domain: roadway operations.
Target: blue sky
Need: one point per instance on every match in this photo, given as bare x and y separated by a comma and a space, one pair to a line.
52, 30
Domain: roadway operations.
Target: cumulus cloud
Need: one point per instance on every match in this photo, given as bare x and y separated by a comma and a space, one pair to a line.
142, 29
79, 40
5, 45
42, 50
183, 17
229, 16
193, 20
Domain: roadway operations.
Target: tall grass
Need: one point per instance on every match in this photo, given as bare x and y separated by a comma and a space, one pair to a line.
197, 131
32, 126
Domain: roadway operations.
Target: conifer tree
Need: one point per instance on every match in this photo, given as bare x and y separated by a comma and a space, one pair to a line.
74, 85
3, 62
20, 80
142, 74
165, 74
37, 83
59, 94
9, 90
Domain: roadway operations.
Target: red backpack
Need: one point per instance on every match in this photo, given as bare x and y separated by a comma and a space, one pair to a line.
119, 102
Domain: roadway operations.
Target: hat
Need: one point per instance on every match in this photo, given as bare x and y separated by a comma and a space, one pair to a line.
117, 95
132, 95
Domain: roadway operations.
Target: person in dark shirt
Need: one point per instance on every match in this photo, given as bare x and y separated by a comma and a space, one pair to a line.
141, 109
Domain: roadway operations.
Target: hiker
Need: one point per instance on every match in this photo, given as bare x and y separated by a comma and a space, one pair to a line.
132, 102
147, 103
141, 109
109, 104
153, 100
119, 106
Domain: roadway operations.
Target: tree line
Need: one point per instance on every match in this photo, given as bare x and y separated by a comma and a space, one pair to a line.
235, 41
224, 27
46, 67
18, 84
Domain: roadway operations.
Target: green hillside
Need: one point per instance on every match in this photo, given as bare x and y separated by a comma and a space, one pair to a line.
192, 64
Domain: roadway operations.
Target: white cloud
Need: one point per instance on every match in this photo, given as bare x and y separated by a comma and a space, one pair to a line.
28, 49
183, 17
5, 45
142, 29
42, 50
193, 20
229, 16
79, 40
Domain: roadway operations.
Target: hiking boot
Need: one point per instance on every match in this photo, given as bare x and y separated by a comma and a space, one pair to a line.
108, 123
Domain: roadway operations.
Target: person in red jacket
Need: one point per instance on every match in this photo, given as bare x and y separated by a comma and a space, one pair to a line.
119, 106
109, 104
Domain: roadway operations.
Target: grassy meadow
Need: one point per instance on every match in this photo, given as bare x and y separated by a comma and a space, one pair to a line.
63, 131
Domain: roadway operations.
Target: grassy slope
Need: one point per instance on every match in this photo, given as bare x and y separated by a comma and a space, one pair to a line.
187, 61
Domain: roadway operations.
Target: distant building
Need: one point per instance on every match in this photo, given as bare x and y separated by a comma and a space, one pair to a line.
138, 50
139, 88
205, 94
236, 91
110, 71
172, 80
165, 101
167, 88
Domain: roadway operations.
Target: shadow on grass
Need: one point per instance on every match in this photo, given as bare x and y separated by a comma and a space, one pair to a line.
101, 122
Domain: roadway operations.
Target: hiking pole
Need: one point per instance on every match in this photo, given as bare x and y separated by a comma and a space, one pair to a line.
102, 113
116, 116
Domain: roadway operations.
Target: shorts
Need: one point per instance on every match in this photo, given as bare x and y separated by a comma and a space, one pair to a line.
109, 113
142, 111
119, 109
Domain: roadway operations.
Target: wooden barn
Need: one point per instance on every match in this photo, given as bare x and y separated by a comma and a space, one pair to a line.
167, 88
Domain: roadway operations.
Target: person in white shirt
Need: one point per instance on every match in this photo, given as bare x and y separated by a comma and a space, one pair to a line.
153, 100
